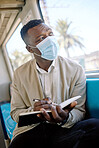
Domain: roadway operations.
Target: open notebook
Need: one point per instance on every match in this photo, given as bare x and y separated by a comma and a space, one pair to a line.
29, 118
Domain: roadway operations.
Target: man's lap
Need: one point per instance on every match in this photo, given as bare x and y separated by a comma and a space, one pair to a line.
53, 135
81, 132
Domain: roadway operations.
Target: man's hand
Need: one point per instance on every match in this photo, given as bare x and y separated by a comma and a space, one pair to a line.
58, 114
45, 103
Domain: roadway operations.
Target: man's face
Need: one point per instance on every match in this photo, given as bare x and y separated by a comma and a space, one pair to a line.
37, 34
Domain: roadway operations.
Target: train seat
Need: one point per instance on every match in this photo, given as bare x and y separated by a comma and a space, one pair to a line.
92, 102
8, 125
8, 122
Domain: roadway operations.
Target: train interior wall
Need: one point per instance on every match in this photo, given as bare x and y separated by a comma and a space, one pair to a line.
4, 90
4, 79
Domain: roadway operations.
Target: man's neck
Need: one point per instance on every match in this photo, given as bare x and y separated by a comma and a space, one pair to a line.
44, 64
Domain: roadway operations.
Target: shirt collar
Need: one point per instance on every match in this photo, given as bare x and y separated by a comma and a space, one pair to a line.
52, 66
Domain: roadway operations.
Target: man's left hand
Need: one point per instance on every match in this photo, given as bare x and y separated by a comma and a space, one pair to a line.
58, 114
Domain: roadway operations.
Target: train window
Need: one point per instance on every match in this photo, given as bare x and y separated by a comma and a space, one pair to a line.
75, 24
16, 50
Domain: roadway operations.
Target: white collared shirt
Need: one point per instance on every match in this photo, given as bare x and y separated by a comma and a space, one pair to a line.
46, 79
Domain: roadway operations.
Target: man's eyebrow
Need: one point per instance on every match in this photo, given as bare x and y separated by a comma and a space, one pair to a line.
43, 34
49, 29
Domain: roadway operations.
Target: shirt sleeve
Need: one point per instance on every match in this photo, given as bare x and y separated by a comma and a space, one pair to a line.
78, 87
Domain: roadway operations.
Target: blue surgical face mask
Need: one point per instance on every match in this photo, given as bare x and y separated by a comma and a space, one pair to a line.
48, 47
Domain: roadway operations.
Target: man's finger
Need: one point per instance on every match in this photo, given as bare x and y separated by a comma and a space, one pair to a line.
39, 103
71, 106
45, 114
55, 114
45, 106
62, 113
48, 99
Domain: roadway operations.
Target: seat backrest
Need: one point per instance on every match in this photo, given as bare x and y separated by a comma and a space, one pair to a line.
5, 92
7, 123
92, 102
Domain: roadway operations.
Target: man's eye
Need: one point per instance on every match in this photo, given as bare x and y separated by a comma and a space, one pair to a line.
40, 39
51, 34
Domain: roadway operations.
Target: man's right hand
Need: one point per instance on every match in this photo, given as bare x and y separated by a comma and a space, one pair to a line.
45, 103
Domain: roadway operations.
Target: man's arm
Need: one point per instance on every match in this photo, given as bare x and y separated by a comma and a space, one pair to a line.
17, 103
78, 87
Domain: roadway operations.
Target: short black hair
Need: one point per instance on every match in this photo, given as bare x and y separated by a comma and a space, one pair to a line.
29, 25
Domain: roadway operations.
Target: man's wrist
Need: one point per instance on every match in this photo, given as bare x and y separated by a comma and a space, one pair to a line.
63, 122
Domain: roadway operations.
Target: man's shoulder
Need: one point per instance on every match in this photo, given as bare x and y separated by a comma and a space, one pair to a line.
26, 66
70, 67
68, 62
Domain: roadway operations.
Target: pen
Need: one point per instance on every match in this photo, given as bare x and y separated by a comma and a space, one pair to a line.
49, 101
36, 100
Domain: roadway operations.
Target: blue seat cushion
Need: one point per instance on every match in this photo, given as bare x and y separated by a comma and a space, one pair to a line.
9, 123
93, 97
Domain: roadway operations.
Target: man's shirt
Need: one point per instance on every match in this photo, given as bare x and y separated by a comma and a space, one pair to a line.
46, 79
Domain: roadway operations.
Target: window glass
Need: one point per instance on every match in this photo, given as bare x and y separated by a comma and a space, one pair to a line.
75, 24
16, 49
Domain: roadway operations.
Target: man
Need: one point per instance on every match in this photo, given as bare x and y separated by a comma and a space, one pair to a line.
51, 79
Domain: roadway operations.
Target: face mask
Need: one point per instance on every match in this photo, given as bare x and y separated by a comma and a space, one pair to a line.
48, 47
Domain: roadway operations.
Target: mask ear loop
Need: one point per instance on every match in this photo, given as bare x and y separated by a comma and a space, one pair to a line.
33, 51
36, 54
32, 46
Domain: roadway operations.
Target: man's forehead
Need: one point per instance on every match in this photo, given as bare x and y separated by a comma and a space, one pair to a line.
39, 28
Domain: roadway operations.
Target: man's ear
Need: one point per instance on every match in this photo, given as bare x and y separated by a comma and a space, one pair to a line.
29, 49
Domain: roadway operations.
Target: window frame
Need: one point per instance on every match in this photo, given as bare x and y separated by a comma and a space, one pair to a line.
5, 53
